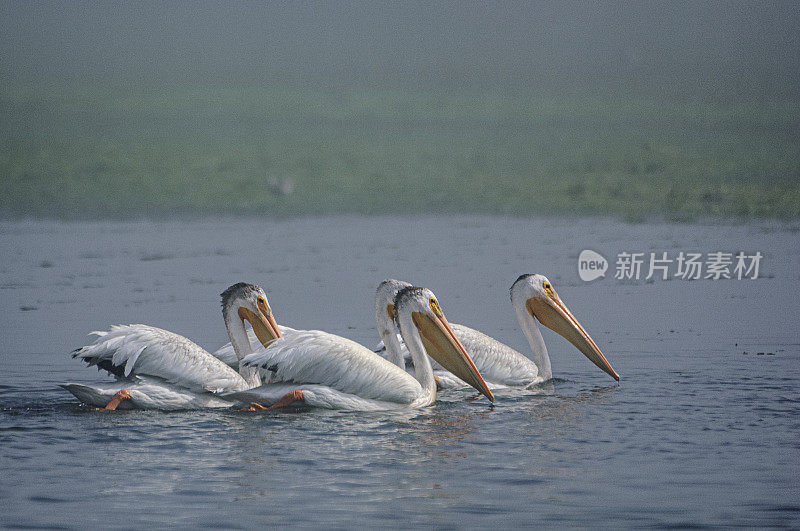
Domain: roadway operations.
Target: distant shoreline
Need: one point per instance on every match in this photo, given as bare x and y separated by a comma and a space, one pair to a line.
91, 154
769, 224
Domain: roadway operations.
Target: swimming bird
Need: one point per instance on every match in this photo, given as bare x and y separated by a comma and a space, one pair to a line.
534, 301
392, 345
329, 371
394, 349
158, 369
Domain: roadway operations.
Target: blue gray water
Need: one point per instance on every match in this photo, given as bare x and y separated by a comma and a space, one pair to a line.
703, 429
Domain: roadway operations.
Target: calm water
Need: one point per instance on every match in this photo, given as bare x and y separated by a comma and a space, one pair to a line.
703, 430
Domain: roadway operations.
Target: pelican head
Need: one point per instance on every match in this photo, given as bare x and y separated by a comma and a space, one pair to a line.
249, 303
418, 306
384, 302
543, 304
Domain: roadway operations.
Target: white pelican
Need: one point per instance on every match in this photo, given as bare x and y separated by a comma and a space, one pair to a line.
157, 369
384, 319
325, 370
392, 345
533, 299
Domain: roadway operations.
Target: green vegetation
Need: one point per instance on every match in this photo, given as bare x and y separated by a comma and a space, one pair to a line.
209, 151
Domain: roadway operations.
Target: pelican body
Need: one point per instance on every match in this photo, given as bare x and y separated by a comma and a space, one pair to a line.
158, 369
329, 371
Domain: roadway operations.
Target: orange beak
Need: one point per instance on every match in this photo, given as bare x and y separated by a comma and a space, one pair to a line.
263, 324
554, 314
442, 345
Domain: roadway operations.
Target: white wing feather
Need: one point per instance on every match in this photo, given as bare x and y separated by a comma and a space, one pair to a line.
227, 355
316, 357
497, 362
127, 350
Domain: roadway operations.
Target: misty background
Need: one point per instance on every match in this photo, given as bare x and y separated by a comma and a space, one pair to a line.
677, 109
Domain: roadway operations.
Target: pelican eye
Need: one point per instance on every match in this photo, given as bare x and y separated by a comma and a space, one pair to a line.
262, 305
548, 289
435, 308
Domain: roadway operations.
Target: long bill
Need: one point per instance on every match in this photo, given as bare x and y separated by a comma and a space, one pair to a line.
554, 314
263, 324
442, 345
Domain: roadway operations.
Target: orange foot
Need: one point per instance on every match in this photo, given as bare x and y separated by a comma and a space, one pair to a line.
289, 398
254, 406
121, 395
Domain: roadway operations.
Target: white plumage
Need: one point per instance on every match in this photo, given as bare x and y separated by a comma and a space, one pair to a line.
313, 356
160, 369
227, 355
500, 364
142, 350
163, 370
337, 373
